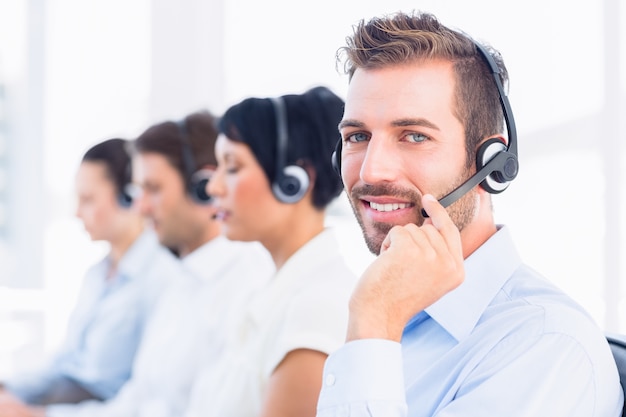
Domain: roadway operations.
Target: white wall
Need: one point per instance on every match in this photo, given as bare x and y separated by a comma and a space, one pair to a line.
114, 67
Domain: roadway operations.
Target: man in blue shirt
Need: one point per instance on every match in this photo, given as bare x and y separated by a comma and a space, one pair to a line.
447, 321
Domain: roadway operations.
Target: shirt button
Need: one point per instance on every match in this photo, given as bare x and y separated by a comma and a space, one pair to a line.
330, 380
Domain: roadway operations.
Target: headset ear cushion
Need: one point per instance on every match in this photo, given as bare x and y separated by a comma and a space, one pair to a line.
125, 195
199, 191
493, 183
198, 186
124, 200
335, 159
291, 185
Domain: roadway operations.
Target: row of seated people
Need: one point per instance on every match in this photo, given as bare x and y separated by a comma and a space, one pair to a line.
188, 280
234, 299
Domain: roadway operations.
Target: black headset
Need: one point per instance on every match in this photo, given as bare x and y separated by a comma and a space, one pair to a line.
124, 199
292, 181
196, 180
124, 196
496, 163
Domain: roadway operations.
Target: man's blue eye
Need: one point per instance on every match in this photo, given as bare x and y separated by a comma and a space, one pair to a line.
417, 137
357, 137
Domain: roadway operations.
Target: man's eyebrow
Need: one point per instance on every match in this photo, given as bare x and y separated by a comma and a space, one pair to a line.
415, 122
397, 123
350, 123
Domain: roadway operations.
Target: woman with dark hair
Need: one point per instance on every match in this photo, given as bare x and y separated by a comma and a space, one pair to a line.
273, 184
117, 295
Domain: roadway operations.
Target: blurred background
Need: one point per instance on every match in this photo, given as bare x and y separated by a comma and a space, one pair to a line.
73, 73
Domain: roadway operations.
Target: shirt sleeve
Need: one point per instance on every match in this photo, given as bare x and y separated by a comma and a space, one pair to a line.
124, 404
165, 362
127, 403
314, 319
29, 387
364, 378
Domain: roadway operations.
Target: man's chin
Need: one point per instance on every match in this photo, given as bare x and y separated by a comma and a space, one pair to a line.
164, 239
374, 241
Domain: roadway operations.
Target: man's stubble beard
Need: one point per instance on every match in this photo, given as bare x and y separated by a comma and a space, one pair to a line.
461, 212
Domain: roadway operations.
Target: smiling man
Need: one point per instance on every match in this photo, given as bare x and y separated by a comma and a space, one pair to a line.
448, 320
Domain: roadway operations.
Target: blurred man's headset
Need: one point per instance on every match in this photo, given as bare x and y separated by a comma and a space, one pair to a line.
196, 179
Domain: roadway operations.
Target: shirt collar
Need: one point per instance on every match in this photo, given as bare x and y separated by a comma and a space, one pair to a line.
486, 271
317, 251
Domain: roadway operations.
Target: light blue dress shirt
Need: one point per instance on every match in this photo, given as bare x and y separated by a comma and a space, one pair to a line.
186, 331
107, 323
504, 343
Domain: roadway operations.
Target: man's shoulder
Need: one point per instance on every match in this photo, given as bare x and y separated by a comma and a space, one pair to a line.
535, 307
530, 289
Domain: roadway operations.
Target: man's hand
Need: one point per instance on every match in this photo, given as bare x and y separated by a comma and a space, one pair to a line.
416, 267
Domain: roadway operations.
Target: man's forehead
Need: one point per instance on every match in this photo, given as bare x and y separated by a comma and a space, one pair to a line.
400, 90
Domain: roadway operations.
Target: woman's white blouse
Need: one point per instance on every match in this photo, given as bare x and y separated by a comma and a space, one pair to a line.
305, 306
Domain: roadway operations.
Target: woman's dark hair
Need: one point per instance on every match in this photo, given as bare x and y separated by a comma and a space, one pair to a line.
114, 154
312, 129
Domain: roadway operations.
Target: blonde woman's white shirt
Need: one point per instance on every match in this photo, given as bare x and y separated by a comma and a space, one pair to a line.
185, 331
305, 306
